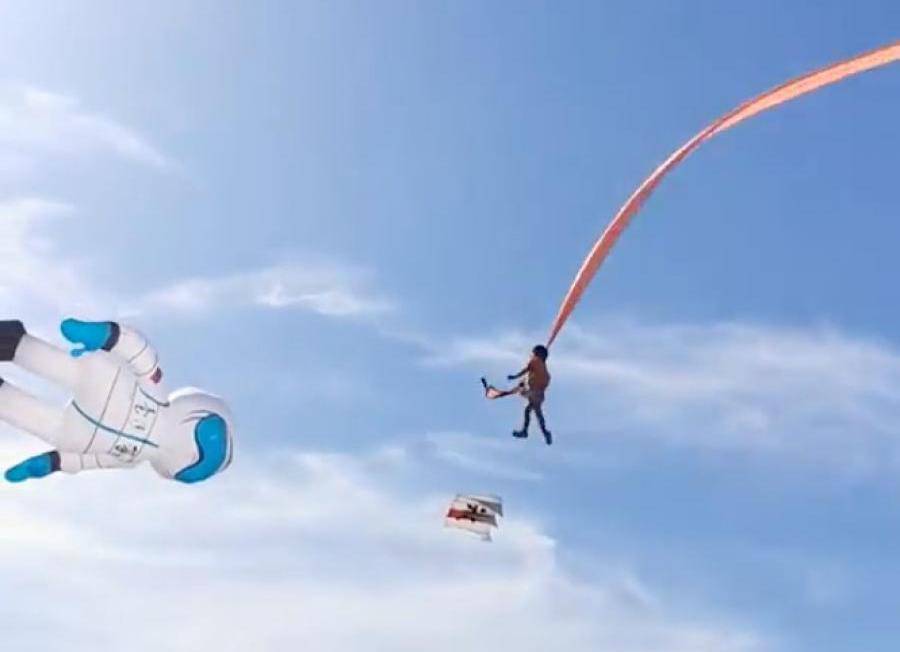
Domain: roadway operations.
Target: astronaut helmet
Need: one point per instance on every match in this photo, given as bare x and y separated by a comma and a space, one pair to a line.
200, 428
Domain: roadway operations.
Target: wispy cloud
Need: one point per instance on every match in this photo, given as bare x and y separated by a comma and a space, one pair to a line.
812, 394
323, 554
329, 289
36, 275
39, 279
35, 122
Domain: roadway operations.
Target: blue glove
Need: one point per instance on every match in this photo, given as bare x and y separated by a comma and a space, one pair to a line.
34, 467
92, 335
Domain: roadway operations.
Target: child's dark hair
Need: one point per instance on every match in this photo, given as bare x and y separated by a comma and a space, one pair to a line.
541, 351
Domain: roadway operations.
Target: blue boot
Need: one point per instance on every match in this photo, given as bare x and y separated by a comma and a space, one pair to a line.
34, 467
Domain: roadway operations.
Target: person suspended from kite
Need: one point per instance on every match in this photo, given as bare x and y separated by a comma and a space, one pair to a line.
535, 379
120, 414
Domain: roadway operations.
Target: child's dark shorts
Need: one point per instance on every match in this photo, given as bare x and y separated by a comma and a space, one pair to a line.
534, 396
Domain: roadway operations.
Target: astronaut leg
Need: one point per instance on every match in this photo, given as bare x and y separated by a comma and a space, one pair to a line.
24, 411
40, 466
36, 355
11, 333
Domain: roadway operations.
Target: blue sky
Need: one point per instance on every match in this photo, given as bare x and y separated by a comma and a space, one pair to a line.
339, 215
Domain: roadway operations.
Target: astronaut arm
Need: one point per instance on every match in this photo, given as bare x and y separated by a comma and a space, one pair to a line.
135, 350
125, 343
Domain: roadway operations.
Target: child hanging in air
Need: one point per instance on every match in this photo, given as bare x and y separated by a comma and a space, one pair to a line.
532, 388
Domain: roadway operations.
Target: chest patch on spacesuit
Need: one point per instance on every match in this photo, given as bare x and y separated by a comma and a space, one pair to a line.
136, 430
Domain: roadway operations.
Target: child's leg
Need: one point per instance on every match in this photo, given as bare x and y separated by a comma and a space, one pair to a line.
28, 413
539, 412
492, 392
36, 355
521, 434
527, 419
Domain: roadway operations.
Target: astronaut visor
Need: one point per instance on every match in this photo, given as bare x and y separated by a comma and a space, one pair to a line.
214, 446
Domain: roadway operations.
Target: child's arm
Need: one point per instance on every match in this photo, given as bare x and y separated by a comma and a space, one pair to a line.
520, 374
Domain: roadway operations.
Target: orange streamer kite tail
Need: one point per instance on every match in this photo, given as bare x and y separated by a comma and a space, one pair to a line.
770, 99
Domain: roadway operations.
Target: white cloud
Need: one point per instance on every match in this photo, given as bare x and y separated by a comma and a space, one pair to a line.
331, 289
35, 122
40, 280
36, 276
319, 552
812, 394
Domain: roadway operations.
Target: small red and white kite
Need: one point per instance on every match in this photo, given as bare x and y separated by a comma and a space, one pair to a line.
475, 513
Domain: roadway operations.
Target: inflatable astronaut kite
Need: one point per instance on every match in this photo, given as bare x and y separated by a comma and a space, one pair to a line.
120, 414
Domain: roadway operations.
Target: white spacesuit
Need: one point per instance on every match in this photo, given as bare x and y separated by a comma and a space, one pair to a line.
120, 413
